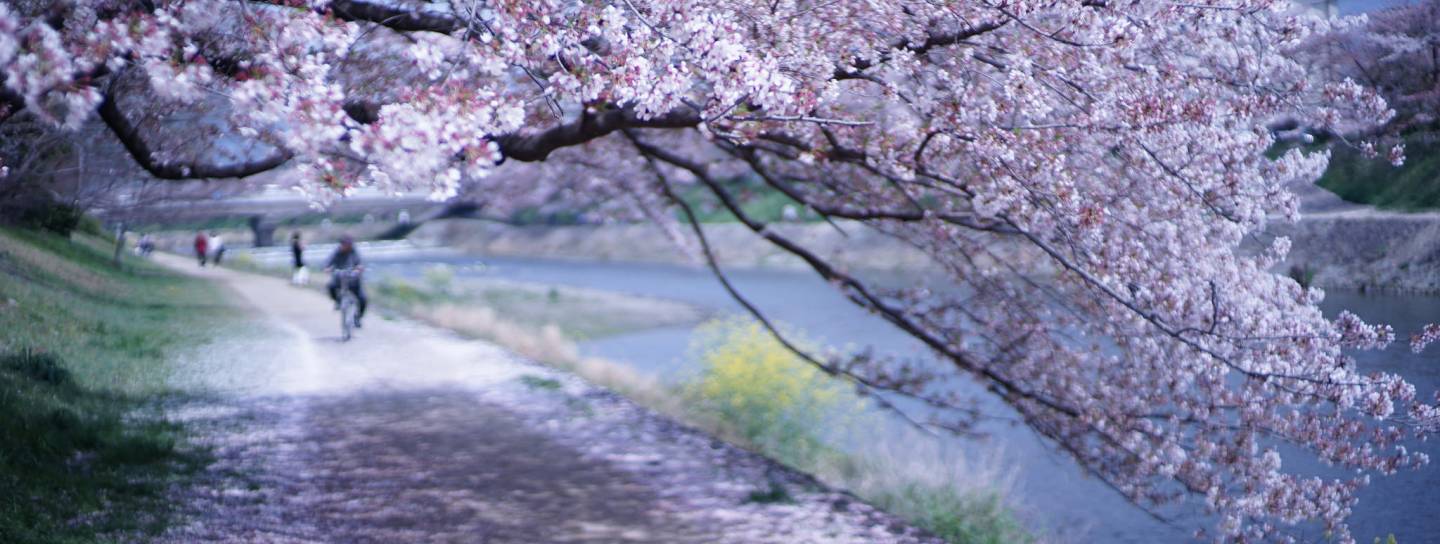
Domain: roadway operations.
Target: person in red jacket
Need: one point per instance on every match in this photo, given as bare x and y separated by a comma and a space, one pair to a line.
202, 245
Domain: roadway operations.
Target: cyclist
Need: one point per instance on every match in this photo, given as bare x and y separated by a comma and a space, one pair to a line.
347, 258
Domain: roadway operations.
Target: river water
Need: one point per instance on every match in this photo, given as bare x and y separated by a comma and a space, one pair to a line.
1053, 493
1352, 7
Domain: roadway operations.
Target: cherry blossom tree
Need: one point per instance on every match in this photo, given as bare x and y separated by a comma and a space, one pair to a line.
1397, 53
1084, 172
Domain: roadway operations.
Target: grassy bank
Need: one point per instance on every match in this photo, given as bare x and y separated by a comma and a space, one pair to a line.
84, 353
1414, 186
580, 314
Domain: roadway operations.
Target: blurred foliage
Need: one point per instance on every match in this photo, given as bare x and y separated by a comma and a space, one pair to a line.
766, 394
1413, 186
400, 293
752, 387
758, 200
54, 217
955, 517
440, 278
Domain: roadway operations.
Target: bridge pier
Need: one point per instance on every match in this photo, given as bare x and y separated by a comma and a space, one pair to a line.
406, 225
263, 231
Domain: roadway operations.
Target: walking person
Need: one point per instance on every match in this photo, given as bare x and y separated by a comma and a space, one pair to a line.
202, 245
299, 276
217, 245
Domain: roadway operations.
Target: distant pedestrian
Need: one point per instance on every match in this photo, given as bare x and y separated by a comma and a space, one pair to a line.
202, 245
217, 246
145, 246
301, 276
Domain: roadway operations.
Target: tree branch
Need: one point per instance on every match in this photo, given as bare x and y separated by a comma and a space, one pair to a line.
395, 17
932, 42
129, 135
537, 146
857, 291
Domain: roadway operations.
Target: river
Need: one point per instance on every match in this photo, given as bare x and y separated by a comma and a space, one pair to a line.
1352, 7
1052, 491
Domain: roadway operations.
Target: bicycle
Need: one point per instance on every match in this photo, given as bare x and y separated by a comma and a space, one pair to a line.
348, 280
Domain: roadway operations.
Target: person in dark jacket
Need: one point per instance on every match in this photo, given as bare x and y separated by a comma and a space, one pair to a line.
299, 275
297, 250
347, 258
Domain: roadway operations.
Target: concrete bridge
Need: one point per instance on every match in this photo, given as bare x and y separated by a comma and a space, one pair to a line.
264, 213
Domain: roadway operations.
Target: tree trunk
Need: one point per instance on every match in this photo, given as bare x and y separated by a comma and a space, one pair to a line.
119, 244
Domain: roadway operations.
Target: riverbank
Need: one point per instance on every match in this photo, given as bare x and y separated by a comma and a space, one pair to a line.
1365, 250
960, 497
412, 433
1337, 246
846, 243
87, 353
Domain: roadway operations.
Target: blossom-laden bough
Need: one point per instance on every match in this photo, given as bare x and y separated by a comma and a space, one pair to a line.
1084, 172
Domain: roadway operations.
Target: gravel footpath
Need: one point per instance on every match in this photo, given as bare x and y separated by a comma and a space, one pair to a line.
412, 434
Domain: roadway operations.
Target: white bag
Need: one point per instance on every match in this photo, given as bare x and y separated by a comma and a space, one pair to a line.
301, 277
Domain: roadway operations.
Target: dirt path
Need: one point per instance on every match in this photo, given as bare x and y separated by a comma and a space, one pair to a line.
411, 434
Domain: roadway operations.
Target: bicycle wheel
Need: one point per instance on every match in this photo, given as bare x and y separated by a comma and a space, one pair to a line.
347, 316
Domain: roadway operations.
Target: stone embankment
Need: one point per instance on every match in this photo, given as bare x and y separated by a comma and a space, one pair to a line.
1338, 245
1366, 250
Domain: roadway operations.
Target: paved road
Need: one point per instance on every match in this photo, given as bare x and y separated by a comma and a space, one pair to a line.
411, 434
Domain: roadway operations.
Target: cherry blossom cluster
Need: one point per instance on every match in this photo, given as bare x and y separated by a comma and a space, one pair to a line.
1083, 172
1391, 50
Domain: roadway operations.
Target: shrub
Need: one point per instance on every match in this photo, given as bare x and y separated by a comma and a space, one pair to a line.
37, 365
971, 518
399, 292
58, 218
439, 278
751, 386
538, 382
90, 225
763, 392
1303, 275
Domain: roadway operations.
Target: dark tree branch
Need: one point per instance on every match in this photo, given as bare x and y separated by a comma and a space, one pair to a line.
396, 17
857, 291
865, 385
537, 146
748, 154
932, 42
10, 102
129, 136
362, 112
400, 18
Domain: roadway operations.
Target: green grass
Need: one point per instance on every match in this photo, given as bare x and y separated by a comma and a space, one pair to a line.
757, 200
84, 353
577, 314
762, 396
776, 494
539, 383
1415, 186
955, 517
